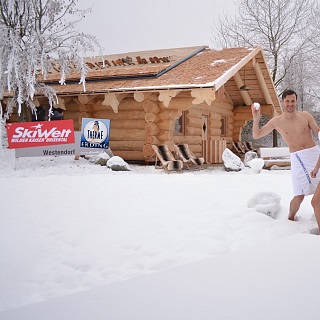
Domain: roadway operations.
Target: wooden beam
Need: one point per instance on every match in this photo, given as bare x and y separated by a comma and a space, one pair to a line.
244, 94
262, 83
150, 106
36, 102
141, 96
85, 98
166, 96
178, 103
203, 94
228, 98
113, 100
61, 104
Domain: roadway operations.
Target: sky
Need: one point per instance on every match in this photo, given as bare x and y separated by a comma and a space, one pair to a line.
80, 241
127, 26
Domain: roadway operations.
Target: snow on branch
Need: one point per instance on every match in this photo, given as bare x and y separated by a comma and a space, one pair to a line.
33, 34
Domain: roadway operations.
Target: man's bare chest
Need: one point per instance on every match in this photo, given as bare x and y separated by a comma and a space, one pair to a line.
293, 128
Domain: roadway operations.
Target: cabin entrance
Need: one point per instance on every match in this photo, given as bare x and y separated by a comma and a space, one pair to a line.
205, 140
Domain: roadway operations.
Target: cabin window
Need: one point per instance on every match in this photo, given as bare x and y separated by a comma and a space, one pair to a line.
224, 126
179, 127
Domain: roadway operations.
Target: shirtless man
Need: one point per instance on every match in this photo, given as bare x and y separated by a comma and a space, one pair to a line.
295, 128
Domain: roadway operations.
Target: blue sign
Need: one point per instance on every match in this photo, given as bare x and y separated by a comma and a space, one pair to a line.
95, 133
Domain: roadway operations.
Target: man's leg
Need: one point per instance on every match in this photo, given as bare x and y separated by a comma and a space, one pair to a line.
315, 202
295, 205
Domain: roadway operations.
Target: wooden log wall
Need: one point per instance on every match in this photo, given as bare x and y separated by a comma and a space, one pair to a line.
151, 110
127, 127
242, 115
76, 111
159, 127
137, 122
224, 110
161, 114
193, 134
193, 130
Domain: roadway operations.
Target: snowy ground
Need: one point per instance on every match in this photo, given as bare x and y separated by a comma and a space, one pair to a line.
71, 226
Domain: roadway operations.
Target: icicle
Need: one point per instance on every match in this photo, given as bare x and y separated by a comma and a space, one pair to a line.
19, 107
35, 114
8, 80
31, 91
50, 110
63, 77
19, 99
83, 82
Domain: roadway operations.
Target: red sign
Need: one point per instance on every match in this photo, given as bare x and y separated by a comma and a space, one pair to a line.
41, 133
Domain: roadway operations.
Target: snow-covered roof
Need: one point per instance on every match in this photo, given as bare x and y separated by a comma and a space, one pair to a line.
178, 68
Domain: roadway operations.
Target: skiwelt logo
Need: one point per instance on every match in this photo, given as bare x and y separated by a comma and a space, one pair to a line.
42, 133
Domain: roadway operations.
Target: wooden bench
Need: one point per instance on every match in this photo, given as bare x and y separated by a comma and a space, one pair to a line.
275, 156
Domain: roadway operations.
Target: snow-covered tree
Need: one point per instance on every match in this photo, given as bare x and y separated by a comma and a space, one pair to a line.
33, 34
288, 32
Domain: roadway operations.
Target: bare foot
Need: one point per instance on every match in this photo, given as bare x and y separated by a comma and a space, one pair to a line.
292, 217
315, 231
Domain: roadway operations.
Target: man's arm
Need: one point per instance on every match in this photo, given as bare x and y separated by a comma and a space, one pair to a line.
258, 132
312, 123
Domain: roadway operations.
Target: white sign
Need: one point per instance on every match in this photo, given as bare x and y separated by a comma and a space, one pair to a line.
57, 150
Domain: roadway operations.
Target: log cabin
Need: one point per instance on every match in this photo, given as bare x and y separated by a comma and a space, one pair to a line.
194, 95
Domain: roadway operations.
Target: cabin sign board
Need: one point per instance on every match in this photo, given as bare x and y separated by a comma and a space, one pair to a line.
95, 133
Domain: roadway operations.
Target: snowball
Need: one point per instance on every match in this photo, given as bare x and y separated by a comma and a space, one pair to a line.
256, 105
256, 165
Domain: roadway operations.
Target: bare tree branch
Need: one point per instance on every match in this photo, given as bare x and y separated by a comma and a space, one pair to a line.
288, 31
